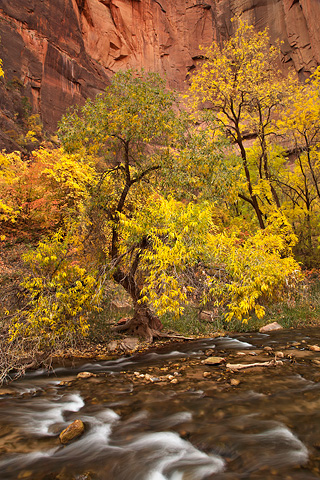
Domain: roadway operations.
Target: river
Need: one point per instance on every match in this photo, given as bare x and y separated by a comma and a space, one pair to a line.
167, 415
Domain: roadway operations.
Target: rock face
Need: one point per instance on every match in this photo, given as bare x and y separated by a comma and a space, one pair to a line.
63, 51
294, 22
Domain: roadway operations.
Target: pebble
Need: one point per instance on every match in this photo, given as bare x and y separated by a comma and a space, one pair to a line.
150, 378
267, 349
234, 382
175, 380
314, 348
209, 352
85, 375
206, 374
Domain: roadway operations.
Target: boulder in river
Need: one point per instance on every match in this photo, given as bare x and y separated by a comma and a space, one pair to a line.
271, 327
73, 431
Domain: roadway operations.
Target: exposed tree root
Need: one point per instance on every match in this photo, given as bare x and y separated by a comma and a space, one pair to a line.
146, 325
143, 324
177, 336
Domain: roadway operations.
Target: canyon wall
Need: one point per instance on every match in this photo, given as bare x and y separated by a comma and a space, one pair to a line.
60, 52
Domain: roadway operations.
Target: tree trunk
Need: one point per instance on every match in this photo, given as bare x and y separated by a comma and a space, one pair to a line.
144, 324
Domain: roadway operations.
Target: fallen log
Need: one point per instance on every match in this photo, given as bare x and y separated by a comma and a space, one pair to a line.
241, 366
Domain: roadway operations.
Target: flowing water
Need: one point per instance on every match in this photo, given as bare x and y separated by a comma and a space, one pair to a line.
166, 415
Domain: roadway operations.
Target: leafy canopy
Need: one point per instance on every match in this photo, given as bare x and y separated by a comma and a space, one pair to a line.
142, 192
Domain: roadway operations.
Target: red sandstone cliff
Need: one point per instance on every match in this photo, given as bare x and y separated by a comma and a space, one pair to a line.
65, 50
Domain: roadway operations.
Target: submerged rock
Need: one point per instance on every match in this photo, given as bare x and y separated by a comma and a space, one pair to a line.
73, 431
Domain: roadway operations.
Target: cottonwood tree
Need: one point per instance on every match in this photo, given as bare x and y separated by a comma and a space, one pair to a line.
144, 194
241, 86
129, 130
300, 182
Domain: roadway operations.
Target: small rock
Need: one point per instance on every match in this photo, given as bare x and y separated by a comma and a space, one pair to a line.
314, 348
176, 374
316, 362
73, 431
150, 378
279, 354
206, 374
271, 327
240, 354
85, 375
129, 343
234, 382
267, 349
206, 316
209, 352
112, 346
213, 360
170, 377
175, 380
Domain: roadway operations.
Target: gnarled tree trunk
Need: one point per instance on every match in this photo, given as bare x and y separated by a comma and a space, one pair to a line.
144, 324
